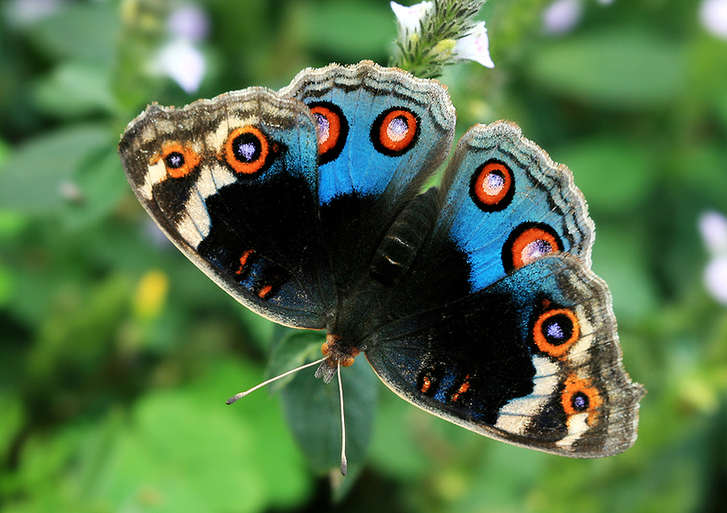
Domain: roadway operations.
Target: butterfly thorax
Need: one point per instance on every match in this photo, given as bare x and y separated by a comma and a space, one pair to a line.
392, 260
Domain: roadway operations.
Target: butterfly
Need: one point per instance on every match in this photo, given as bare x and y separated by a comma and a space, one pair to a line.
474, 300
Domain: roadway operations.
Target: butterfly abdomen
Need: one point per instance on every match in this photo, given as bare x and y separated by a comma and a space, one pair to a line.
405, 237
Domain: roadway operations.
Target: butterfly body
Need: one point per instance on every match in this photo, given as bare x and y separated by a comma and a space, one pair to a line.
473, 300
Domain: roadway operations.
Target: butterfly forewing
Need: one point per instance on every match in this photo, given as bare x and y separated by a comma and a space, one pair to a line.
220, 177
381, 133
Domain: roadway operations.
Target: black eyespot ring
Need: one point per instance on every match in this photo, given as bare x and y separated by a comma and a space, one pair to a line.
395, 131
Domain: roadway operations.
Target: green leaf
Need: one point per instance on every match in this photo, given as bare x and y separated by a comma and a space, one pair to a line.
31, 181
350, 30
394, 449
620, 259
296, 348
4, 152
312, 410
622, 68
11, 419
101, 184
6, 285
179, 450
86, 31
614, 174
75, 89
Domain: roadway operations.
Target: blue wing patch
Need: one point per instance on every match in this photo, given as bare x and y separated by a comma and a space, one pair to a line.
507, 204
381, 131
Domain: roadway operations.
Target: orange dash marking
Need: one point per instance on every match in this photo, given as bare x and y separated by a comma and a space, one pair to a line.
462, 388
243, 261
426, 385
265, 291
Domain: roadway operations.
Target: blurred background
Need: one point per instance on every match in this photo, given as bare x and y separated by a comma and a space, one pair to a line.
116, 353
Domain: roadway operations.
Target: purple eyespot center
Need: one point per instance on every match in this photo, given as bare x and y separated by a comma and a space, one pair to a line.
246, 148
323, 127
175, 160
493, 183
535, 250
558, 329
580, 401
554, 331
397, 129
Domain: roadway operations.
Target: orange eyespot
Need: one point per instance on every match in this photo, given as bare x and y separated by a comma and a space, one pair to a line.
555, 331
179, 160
246, 150
580, 396
527, 243
395, 131
492, 187
331, 129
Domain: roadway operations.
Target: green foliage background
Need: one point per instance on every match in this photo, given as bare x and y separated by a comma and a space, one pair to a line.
117, 353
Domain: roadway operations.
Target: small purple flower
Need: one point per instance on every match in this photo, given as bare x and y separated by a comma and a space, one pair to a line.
189, 22
180, 58
562, 16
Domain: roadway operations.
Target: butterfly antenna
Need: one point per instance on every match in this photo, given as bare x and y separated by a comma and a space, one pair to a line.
240, 395
344, 462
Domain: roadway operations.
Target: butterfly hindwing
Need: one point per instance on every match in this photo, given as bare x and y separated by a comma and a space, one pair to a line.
220, 176
533, 360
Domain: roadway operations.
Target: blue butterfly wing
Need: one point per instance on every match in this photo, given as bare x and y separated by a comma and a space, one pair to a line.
381, 133
368, 97
506, 203
233, 183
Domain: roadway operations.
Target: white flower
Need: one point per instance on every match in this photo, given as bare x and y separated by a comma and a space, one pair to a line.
713, 15
183, 63
562, 16
410, 17
713, 227
475, 46
715, 279
189, 22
